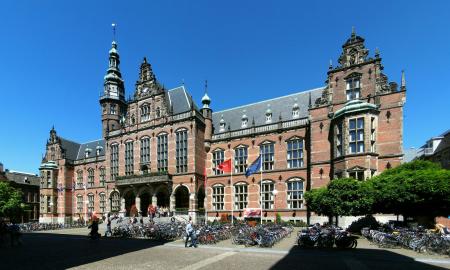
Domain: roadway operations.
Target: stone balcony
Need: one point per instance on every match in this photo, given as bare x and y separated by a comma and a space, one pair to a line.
148, 178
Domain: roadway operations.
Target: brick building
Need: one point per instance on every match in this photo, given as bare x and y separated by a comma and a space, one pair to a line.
28, 184
157, 146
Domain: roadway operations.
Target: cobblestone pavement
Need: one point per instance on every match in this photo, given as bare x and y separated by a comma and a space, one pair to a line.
64, 249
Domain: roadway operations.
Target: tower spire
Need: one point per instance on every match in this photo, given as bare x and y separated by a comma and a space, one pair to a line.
403, 82
205, 99
114, 30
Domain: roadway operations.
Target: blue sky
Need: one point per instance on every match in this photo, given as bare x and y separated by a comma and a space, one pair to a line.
53, 56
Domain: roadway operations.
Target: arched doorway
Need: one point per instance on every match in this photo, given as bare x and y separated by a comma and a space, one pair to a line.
130, 201
201, 198
182, 198
145, 202
162, 197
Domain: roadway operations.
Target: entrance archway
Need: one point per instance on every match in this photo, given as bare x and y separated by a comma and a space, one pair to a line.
162, 198
145, 202
201, 198
130, 201
182, 198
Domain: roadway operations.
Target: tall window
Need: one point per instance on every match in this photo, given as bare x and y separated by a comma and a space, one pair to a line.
218, 197
49, 204
267, 195
114, 161
267, 152
339, 140
218, 157
162, 153
49, 180
181, 151
356, 135
240, 196
90, 177
240, 159
145, 112
295, 153
90, 203
102, 202
295, 194
113, 109
352, 88
129, 158
145, 150
80, 204
115, 201
79, 179
102, 176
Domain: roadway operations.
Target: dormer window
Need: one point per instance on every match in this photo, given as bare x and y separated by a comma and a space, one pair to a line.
98, 150
353, 88
295, 111
244, 120
87, 152
268, 114
222, 124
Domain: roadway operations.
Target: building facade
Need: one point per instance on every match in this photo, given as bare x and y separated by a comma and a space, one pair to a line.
28, 184
160, 148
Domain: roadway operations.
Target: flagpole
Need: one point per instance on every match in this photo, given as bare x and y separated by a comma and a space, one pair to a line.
205, 205
260, 183
232, 189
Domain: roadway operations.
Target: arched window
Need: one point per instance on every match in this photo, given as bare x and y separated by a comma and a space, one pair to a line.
218, 197
80, 179
353, 88
267, 153
102, 202
295, 188
240, 196
181, 151
267, 194
145, 112
240, 159
79, 203
162, 152
90, 177
115, 201
145, 150
90, 203
129, 158
295, 153
102, 176
114, 161
218, 157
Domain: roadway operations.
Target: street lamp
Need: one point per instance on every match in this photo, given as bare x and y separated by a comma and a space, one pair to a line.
275, 192
51, 209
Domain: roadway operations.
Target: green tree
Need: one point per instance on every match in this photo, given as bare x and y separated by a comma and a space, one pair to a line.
418, 188
10, 201
342, 197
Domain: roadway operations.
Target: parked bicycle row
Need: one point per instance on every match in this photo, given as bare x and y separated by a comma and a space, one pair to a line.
326, 237
156, 231
264, 235
418, 240
36, 226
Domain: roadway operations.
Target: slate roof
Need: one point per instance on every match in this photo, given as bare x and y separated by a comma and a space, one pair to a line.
23, 178
70, 148
280, 105
180, 100
93, 147
445, 143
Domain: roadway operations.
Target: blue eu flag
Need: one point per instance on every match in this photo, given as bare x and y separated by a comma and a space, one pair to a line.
254, 168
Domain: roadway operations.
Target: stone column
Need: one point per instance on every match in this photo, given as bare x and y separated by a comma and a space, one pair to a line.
122, 211
193, 211
172, 203
154, 200
138, 205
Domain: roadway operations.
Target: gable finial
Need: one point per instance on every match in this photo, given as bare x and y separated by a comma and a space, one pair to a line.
353, 31
403, 82
206, 86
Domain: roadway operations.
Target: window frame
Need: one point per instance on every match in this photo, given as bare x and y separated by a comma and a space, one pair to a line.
218, 157
290, 191
129, 158
91, 178
240, 196
291, 152
218, 198
181, 151
162, 152
240, 159
267, 199
267, 152
114, 156
358, 130
353, 88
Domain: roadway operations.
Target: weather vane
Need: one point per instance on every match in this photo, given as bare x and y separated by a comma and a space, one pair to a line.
114, 30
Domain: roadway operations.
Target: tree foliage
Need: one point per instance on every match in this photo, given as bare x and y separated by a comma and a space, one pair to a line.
418, 188
10, 201
342, 197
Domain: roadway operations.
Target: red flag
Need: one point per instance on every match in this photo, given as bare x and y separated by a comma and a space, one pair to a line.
225, 166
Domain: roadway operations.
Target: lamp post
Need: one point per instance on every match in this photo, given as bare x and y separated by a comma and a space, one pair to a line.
275, 192
86, 215
51, 209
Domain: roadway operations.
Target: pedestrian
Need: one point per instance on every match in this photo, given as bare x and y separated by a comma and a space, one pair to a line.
108, 226
190, 233
94, 229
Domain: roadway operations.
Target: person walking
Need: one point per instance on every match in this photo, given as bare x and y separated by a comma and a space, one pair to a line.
190, 233
108, 226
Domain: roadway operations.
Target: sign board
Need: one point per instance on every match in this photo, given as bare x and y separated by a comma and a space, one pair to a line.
252, 212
